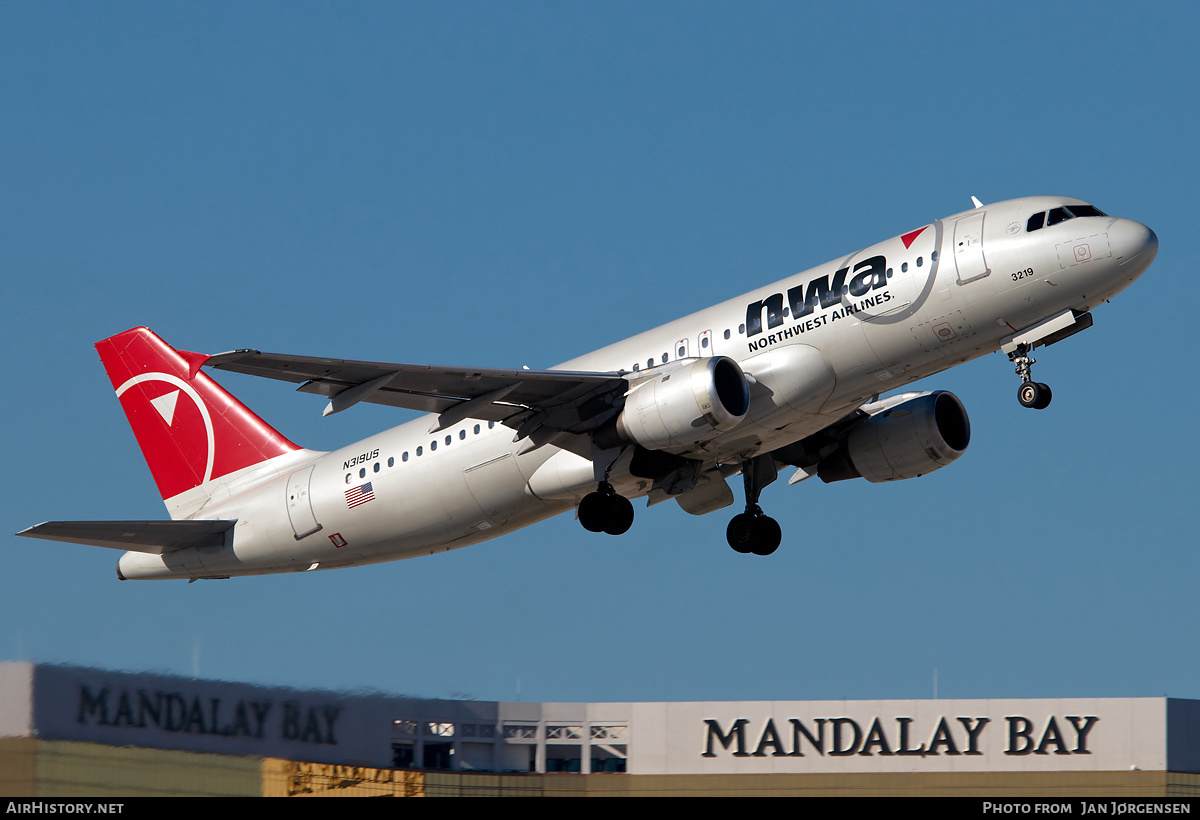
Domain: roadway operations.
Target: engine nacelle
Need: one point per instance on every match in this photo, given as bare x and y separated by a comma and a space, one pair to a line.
906, 440
688, 404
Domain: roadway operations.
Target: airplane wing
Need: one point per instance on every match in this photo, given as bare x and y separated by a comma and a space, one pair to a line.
154, 537
572, 401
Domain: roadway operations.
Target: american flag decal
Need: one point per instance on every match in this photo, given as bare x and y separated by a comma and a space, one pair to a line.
360, 495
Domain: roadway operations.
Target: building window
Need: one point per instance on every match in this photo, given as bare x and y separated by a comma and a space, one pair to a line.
402, 755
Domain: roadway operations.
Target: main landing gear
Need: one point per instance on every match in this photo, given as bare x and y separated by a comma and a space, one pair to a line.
752, 531
1030, 393
605, 511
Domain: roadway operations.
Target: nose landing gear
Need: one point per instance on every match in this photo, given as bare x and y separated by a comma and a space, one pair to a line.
1030, 393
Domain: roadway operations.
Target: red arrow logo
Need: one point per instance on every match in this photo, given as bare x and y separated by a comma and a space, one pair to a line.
911, 237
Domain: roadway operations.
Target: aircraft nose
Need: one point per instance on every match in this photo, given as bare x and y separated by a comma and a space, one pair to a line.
1135, 246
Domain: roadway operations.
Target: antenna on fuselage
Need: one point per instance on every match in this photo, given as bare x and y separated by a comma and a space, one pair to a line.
978, 204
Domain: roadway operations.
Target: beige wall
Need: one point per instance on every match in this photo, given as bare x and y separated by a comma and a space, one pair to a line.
37, 768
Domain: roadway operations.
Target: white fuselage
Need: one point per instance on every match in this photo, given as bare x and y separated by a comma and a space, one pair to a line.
908, 307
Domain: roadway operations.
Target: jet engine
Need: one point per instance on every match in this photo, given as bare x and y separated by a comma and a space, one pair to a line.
908, 439
676, 409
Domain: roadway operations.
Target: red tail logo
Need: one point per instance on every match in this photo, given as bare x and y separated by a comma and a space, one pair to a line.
190, 429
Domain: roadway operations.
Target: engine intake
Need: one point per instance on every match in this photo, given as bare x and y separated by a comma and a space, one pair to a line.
909, 439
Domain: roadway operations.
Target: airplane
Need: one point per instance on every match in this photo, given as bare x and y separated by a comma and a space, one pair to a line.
787, 376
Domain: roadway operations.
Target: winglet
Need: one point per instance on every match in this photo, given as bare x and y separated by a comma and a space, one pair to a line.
195, 361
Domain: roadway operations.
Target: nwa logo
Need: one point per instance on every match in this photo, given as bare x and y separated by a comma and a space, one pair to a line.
820, 294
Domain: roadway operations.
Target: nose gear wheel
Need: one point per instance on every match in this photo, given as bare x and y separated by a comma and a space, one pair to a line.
1035, 395
1030, 393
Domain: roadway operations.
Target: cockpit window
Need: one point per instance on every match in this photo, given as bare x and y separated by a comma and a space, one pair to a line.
1053, 217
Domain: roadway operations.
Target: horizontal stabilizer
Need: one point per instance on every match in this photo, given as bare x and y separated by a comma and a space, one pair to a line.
154, 537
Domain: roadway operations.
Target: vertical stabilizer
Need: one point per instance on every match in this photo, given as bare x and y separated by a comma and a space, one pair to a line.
190, 429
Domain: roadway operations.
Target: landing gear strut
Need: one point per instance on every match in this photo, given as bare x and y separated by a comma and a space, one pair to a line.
752, 531
605, 511
1030, 393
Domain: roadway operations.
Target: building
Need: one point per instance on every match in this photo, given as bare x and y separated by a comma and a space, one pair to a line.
71, 731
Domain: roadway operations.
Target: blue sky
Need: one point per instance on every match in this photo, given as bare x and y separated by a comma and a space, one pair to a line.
506, 184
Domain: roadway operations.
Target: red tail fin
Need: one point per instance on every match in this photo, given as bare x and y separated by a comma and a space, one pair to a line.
190, 429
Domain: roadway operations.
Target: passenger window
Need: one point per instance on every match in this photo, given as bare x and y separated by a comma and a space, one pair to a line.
664, 358
419, 451
704, 343
432, 446
347, 478
636, 368
476, 429
1036, 222
362, 473
404, 457
376, 466
726, 335
462, 434
448, 440
391, 461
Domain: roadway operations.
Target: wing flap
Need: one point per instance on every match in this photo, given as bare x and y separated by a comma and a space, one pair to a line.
153, 537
